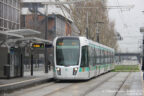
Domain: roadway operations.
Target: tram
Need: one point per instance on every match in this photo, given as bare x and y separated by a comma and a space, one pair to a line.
77, 58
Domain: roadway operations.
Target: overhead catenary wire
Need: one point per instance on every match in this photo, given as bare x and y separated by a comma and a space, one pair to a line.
120, 13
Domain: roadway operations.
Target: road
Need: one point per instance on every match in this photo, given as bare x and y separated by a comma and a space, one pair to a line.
109, 84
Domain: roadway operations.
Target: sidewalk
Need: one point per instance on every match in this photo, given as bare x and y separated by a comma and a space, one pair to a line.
133, 86
27, 80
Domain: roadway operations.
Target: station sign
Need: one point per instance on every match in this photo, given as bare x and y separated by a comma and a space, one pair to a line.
41, 45
38, 45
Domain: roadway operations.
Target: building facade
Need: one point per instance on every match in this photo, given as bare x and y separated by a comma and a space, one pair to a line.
37, 16
9, 19
59, 22
9, 14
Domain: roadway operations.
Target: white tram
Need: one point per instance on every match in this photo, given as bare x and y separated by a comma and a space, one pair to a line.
80, 58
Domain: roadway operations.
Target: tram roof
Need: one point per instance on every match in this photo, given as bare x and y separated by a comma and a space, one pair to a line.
101, 45
93, 42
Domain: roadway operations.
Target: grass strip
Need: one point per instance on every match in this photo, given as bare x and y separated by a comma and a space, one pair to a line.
126, 68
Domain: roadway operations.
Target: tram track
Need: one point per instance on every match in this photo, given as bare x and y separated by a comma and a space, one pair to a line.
98, 85
123, 82
103, 82
86, 83
75, 88
59, 90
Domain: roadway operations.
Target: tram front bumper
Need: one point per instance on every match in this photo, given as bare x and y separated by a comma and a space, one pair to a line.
66, 72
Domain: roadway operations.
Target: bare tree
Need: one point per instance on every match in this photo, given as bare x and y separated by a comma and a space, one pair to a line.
96, 13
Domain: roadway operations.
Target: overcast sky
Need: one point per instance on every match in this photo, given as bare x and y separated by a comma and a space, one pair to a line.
128, 23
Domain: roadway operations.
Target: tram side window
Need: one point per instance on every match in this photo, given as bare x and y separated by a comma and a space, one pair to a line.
113, 58
102, 56
97, 56
90, 55
94, 56
84, 59
108, 57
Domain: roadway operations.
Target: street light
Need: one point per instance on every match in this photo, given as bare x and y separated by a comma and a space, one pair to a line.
46, 37
97, 30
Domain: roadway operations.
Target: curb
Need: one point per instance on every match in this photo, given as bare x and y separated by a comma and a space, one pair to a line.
23, 84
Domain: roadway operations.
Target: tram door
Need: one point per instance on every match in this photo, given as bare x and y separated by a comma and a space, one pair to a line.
15, 62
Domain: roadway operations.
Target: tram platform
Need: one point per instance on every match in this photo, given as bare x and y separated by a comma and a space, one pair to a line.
133, 86
7, 85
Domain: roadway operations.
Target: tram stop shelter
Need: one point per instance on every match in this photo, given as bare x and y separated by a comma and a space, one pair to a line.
12, 50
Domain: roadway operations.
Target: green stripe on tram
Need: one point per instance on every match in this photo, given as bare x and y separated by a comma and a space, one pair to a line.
80, 69
85, 69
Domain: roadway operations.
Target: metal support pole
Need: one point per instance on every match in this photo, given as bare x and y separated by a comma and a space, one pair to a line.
38, 61
87, 33
97, 32
98, 38
21, 74
46, 35
31, 64
143, 55
9, 60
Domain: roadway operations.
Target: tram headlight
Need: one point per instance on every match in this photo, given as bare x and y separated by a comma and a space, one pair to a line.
58, 71
75, 70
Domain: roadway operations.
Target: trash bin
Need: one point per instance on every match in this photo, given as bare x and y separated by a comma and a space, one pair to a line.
7, 71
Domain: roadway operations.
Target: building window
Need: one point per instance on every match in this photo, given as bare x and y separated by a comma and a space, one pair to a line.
1, 9
9, 14
1, 23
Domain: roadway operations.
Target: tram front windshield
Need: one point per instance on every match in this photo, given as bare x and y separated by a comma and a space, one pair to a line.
67, 51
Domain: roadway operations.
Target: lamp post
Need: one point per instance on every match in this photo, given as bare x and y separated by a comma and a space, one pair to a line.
97, 30
87, 26
46, 30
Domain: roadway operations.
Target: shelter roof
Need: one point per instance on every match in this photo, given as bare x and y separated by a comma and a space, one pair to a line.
23, 32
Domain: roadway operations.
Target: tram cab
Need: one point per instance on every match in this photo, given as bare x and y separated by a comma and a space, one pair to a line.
76, 58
